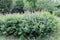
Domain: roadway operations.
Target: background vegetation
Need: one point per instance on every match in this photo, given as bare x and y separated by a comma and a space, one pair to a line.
15, 6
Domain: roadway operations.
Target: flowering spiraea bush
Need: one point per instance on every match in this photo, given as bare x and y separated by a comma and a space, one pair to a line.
30, 25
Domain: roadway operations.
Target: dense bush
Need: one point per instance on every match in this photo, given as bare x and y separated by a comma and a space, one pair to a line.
18, 6
46, 5
32, 25
32, 4
12, 6
5, 6
57, 13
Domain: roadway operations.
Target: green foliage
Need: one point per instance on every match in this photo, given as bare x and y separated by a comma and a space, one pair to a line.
32, 3
5, 5
46, 5
22, 5
32, 25
18, 6
57, 13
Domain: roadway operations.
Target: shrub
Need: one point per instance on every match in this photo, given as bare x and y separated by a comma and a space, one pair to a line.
30, 25
57, 13
18, 6
50, 5
5, 6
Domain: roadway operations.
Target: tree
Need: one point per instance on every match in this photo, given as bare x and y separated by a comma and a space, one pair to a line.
46, 5
5, 6
32, 4
18, 7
